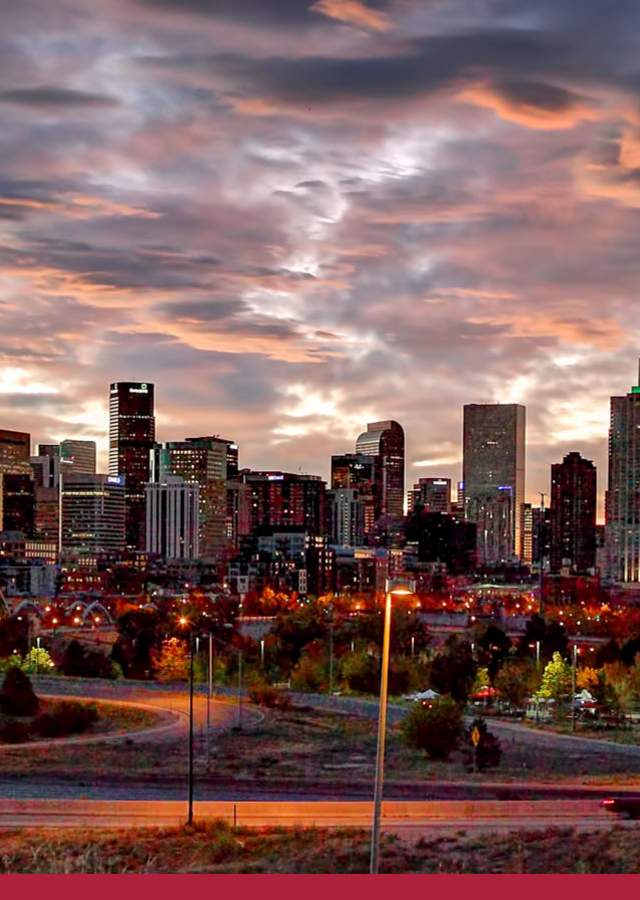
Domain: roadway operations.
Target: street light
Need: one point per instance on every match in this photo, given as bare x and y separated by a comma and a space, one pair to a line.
184, 622
573, 687
397, 589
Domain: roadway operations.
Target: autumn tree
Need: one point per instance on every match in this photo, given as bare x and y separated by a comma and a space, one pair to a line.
516, 682
556, 680
171, 663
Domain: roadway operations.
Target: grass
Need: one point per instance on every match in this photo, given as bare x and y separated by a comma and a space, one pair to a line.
113, 717
216, 848
301, 746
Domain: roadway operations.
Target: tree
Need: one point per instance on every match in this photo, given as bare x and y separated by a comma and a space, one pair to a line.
452, 672
586, 679
556, 680
629, 650
552, 636
516, 681
434, 728
171, 663
361, 672
79, 662
17, 697
496, 645
481, 680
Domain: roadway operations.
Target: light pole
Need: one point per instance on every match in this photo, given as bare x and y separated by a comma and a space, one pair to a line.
209, 691
393, 588
573, 687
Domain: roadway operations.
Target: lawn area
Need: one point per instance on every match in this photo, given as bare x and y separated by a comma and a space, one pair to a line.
216, 848
302, 745
112, 717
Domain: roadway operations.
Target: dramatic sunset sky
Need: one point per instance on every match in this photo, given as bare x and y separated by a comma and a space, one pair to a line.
296, 217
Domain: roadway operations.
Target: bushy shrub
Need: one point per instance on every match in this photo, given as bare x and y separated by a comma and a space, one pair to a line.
79, 662
308, 675
488, 753
17, 697
14, 732
263, 694
361, 672
65, 718
435, 728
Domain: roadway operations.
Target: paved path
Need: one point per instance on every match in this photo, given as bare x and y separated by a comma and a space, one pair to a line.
398, 816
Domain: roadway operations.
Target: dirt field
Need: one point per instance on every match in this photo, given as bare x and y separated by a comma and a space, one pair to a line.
216, 848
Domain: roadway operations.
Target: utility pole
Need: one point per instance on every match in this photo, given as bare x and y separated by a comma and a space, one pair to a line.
541, 541
331, 651
209, 692
190, 786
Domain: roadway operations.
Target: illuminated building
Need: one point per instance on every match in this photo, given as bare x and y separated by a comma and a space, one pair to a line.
201, 461
17, 503
346, 517
173, 519
280, 500
493, 475
362, 473
433, 494
622, 529
15, 447
131, 438
385, 440
82, 454
573, 515
93, 514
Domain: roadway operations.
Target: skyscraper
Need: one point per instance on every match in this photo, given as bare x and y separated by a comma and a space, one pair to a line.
386, 441
15, 447
201, 461
493, 476
132, 428
573, 514
93, 514
173, 519
346, 517
81, 453
622, 530
362, 473
434, 494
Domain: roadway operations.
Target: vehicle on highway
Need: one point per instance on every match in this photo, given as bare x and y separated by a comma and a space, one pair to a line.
626, 806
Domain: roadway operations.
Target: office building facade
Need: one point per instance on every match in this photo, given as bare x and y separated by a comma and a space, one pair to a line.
93, 515
493, 476
622, 505
385, 440
432, 494
131, 439
173, 519
573, 515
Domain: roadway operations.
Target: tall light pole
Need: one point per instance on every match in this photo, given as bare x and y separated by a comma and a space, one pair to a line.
541, 539
209, 691
398, 589
184, 622
573, 687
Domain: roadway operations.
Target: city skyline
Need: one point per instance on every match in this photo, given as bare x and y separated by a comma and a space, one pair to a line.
447, 219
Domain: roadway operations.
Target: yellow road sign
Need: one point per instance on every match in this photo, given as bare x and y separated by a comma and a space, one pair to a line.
475, 736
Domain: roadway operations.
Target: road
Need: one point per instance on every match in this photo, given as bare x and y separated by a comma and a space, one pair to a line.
401, 817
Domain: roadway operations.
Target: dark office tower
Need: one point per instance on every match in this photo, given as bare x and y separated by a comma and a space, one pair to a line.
493, 475
201, 461
622, 530
15, 447
573, 515
356, 471
93, 514
281, 500
132, 429
17, 503
386, 441
82, 454
433, 494
346, 517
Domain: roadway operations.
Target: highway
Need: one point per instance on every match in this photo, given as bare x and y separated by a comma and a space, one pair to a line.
401, 817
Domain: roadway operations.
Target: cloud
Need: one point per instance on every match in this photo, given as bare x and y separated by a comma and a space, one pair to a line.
58, 98
352, 12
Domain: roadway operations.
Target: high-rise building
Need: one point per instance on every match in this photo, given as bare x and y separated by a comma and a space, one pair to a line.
17, 503
362, 473
280, 500
493, 476
93, 514
132, 428
201, 461
573, 515
622, 529
82, 454
346, 517
386, 441
433, 494
173, 519
15, 448
527, 534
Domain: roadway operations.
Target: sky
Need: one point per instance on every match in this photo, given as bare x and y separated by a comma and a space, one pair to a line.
299, 216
